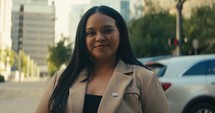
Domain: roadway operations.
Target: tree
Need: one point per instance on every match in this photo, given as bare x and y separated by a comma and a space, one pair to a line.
58, 55
8, 57
23, 61
201, 26
11, 55
151, 7
149, 35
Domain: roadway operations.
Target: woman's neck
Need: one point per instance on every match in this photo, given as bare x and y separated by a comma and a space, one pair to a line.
101, 75
105, 63
105, 66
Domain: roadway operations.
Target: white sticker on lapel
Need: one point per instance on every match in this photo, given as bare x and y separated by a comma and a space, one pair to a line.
115, 94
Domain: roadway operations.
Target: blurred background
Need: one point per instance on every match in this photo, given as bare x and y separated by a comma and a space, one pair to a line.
37, 36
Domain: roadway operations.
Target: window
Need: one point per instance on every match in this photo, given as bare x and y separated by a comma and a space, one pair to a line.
158, 69
200, 68
211, 69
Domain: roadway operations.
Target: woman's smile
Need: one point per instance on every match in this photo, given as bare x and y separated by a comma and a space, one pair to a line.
101, 46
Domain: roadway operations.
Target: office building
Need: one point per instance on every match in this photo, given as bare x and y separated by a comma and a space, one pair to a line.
76, 12
5, 23
170, 5
5, 37
33, 30
125, 9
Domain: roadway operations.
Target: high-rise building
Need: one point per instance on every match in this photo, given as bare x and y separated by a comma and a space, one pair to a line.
125, 9
5, 37
122, 6
76, 12
33, 29
170, 5
111, 3
5, 23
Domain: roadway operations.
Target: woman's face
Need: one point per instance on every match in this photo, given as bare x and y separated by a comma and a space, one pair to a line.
102, 36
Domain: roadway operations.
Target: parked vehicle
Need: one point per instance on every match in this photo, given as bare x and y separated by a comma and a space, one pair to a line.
151, 59
188, 81
2, 78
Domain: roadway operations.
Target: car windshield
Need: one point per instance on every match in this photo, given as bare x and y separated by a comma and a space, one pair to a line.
157, 68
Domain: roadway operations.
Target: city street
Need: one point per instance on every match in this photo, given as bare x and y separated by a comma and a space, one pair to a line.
20, 97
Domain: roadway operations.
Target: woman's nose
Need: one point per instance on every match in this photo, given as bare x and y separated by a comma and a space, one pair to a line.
100, 37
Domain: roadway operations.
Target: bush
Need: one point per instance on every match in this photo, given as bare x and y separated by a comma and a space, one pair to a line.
2, 78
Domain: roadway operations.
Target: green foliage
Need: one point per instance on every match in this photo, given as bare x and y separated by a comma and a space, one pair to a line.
58, 56
52, 68
1, 54
16, 59
12, 56
201, 26
24, 59
8, 55
149, 34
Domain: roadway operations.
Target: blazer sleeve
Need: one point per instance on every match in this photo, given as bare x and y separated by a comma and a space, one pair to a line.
42, 106
153, 96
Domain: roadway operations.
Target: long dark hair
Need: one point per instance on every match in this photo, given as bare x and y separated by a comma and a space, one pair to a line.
81, 58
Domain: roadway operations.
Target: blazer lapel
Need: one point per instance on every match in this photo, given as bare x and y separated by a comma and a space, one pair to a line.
113, 94
77, 94
116, 88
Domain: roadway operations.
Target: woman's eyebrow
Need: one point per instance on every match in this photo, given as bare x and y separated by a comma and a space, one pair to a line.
89, 28
108, 26
104, 27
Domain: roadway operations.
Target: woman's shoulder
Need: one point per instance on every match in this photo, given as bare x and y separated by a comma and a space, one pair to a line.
136, 69
59, 72
142, 73
57, 75
143, 77
142, 69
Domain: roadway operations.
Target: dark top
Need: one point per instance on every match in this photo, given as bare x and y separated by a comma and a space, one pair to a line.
91, 103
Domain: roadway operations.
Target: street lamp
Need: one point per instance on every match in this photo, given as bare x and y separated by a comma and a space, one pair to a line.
179, 7
20, 39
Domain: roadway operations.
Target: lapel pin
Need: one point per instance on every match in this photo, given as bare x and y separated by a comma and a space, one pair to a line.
115, 94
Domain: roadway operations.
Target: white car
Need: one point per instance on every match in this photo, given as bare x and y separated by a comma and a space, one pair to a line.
188, 81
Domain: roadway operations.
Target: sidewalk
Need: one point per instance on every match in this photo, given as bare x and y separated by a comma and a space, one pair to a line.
21, 97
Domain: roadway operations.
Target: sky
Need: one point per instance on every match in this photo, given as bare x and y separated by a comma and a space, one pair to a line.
62, 13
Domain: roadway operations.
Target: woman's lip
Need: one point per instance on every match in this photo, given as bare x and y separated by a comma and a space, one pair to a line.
100, 46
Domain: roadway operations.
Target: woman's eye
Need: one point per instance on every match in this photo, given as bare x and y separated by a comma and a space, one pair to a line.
90, 33
107, 31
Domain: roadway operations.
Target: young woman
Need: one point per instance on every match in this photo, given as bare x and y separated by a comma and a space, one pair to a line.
103, 75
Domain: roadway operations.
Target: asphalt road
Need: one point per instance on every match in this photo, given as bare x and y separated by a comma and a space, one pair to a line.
21, 97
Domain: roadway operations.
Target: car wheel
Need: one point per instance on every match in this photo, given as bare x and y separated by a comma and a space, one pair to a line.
202, 108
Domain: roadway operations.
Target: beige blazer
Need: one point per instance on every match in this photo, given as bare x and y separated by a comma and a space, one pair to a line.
131, 89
